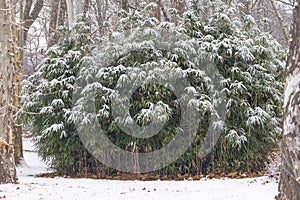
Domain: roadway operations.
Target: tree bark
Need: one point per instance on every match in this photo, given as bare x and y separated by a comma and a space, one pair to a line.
86, 6
16, 63
102, 9
53, 16
57, 18
7, 162
124, 5
157, 11
74, 8
53, 34
289, 185
71, 15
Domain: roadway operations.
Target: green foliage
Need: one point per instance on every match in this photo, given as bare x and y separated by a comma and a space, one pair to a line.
250, 61
48, 100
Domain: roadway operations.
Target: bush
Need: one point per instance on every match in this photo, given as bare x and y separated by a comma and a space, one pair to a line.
250, 61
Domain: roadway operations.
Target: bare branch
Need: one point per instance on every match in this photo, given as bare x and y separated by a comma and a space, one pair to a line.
286, 3
282, 24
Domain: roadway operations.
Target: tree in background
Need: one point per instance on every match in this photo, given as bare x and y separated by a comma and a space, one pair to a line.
289, 186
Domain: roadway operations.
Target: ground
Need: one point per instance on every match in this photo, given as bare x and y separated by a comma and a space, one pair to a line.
33, 188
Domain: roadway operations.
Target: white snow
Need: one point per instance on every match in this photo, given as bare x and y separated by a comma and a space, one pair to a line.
31, 187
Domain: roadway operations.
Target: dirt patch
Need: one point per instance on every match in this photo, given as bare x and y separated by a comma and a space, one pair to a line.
154, 177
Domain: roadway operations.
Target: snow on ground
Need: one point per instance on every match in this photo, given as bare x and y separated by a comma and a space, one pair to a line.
31, 187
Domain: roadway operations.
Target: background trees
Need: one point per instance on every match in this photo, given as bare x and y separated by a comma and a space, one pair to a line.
45, 31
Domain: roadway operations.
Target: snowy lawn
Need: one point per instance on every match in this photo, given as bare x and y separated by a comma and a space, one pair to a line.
32, 188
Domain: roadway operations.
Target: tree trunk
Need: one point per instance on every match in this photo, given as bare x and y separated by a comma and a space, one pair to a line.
53, 34
53, 17
157, 11
29, 12
16, 63
57, 18
124, 5
289, 185
74, 8
86, 6
102, 9
7, 161
78, 9
71, 16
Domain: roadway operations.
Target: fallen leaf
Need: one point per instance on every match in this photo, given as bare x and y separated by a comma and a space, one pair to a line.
232, 174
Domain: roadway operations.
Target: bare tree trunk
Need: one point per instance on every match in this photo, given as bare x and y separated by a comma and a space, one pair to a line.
21, 30
74, 8
29, 12
124, 5
71, 17
102, 9
7, 162
157, 11
205, 12
53, 17
16, 63
57, 18
289, 185
86, 6
53, 34
62, 13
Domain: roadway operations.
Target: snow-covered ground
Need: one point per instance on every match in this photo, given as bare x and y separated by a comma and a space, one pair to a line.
32, 188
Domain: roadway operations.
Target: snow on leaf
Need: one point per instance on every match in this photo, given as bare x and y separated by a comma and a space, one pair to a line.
46, 110
57, 103
54, 128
